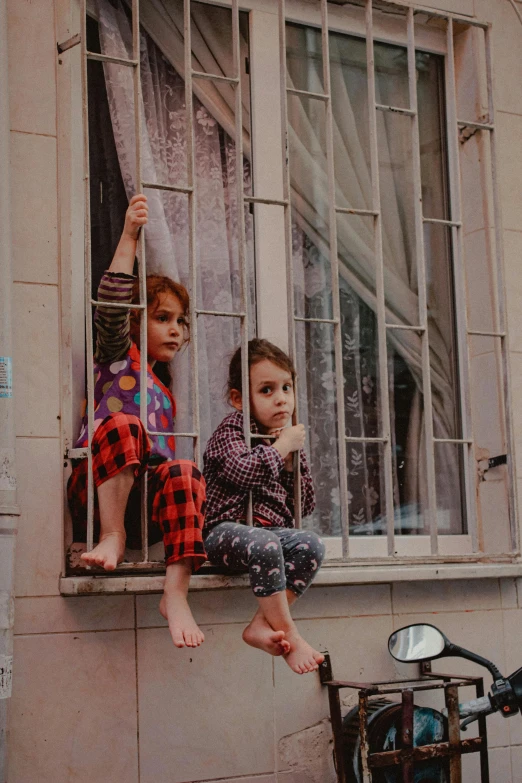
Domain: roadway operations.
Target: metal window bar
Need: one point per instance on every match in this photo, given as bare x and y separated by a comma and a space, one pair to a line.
422, 291
334, 267
457, 237
287, 195
380, 292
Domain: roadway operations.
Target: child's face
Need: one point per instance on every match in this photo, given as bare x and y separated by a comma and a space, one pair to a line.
165, 328
271, 396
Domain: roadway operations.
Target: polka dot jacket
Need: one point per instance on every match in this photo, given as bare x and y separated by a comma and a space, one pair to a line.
117, 372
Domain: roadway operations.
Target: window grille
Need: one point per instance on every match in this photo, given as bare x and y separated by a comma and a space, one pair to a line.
456, 124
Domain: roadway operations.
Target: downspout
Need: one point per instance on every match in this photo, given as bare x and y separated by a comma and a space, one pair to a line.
9, 511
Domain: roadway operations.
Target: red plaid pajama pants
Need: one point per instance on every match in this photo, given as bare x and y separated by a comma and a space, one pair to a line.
176, 491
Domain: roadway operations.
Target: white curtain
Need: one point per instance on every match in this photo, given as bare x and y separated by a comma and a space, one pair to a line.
164, 160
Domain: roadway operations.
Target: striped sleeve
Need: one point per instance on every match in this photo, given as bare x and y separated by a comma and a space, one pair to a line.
112, 324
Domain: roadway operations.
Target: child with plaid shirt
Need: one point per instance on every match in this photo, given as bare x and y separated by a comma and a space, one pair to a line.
121, 448
281, 561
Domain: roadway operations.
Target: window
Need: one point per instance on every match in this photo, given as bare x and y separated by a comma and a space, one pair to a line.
376, 261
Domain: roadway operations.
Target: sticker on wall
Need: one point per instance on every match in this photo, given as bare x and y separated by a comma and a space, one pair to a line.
7, 469
6, 676
6, 377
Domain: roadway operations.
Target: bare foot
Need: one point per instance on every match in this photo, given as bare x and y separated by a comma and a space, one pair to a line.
261, 635
183, 628
302, 658
108, 553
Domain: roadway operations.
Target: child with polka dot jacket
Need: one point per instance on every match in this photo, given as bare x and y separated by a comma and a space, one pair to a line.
121, 448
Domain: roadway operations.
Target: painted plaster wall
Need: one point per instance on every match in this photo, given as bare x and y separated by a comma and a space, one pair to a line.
91, 674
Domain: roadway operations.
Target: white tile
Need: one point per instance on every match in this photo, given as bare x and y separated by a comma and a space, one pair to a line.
509, 130
40, 529
505, 35
34, 209
58, 614
450, 596
358, 651
73, 710
516, 764
213, 606
508, 593
32, 65
343, 601
205, 714
36, 366
500, 764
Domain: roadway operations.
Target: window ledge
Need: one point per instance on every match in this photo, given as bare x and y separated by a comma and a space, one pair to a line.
330, 575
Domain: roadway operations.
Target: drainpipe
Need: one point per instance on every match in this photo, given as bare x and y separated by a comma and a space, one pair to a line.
9, 511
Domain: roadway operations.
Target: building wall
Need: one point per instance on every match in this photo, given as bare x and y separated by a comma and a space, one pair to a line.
99, 691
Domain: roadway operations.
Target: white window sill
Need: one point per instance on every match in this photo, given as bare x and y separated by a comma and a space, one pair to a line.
329, 575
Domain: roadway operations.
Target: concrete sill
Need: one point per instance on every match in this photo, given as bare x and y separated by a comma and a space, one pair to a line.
330, 574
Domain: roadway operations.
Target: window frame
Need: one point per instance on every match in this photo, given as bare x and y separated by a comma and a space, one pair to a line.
274, 279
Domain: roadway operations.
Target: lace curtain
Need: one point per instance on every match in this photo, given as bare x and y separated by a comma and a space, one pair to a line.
164, 156
164, 160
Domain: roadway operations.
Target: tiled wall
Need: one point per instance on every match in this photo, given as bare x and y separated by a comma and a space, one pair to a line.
92, 674
226, 711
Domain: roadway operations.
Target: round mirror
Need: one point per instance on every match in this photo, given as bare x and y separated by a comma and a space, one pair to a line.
416, 643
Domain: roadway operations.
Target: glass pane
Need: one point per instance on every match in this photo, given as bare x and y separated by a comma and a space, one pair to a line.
445, 384
350, 109
362, 392
366, 496
398, 219
408, 440
304, 58
312, 275
391, 75
318, 412
432, 124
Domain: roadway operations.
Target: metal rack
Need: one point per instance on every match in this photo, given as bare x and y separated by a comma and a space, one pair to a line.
407, 755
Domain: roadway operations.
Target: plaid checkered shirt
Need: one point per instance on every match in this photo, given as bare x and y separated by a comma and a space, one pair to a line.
231, 471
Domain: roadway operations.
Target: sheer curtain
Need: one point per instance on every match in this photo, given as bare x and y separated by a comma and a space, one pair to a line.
164, 157
164, 160
357, 264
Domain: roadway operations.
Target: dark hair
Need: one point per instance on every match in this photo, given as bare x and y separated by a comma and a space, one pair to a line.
157, 285
258, 351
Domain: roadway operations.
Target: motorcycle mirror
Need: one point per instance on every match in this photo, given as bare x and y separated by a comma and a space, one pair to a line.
419, 642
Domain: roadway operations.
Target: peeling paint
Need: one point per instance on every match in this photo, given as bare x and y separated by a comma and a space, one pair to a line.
7, 469
308, 753
6, 676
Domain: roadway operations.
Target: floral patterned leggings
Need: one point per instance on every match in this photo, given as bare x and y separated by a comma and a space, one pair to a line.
275, 557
